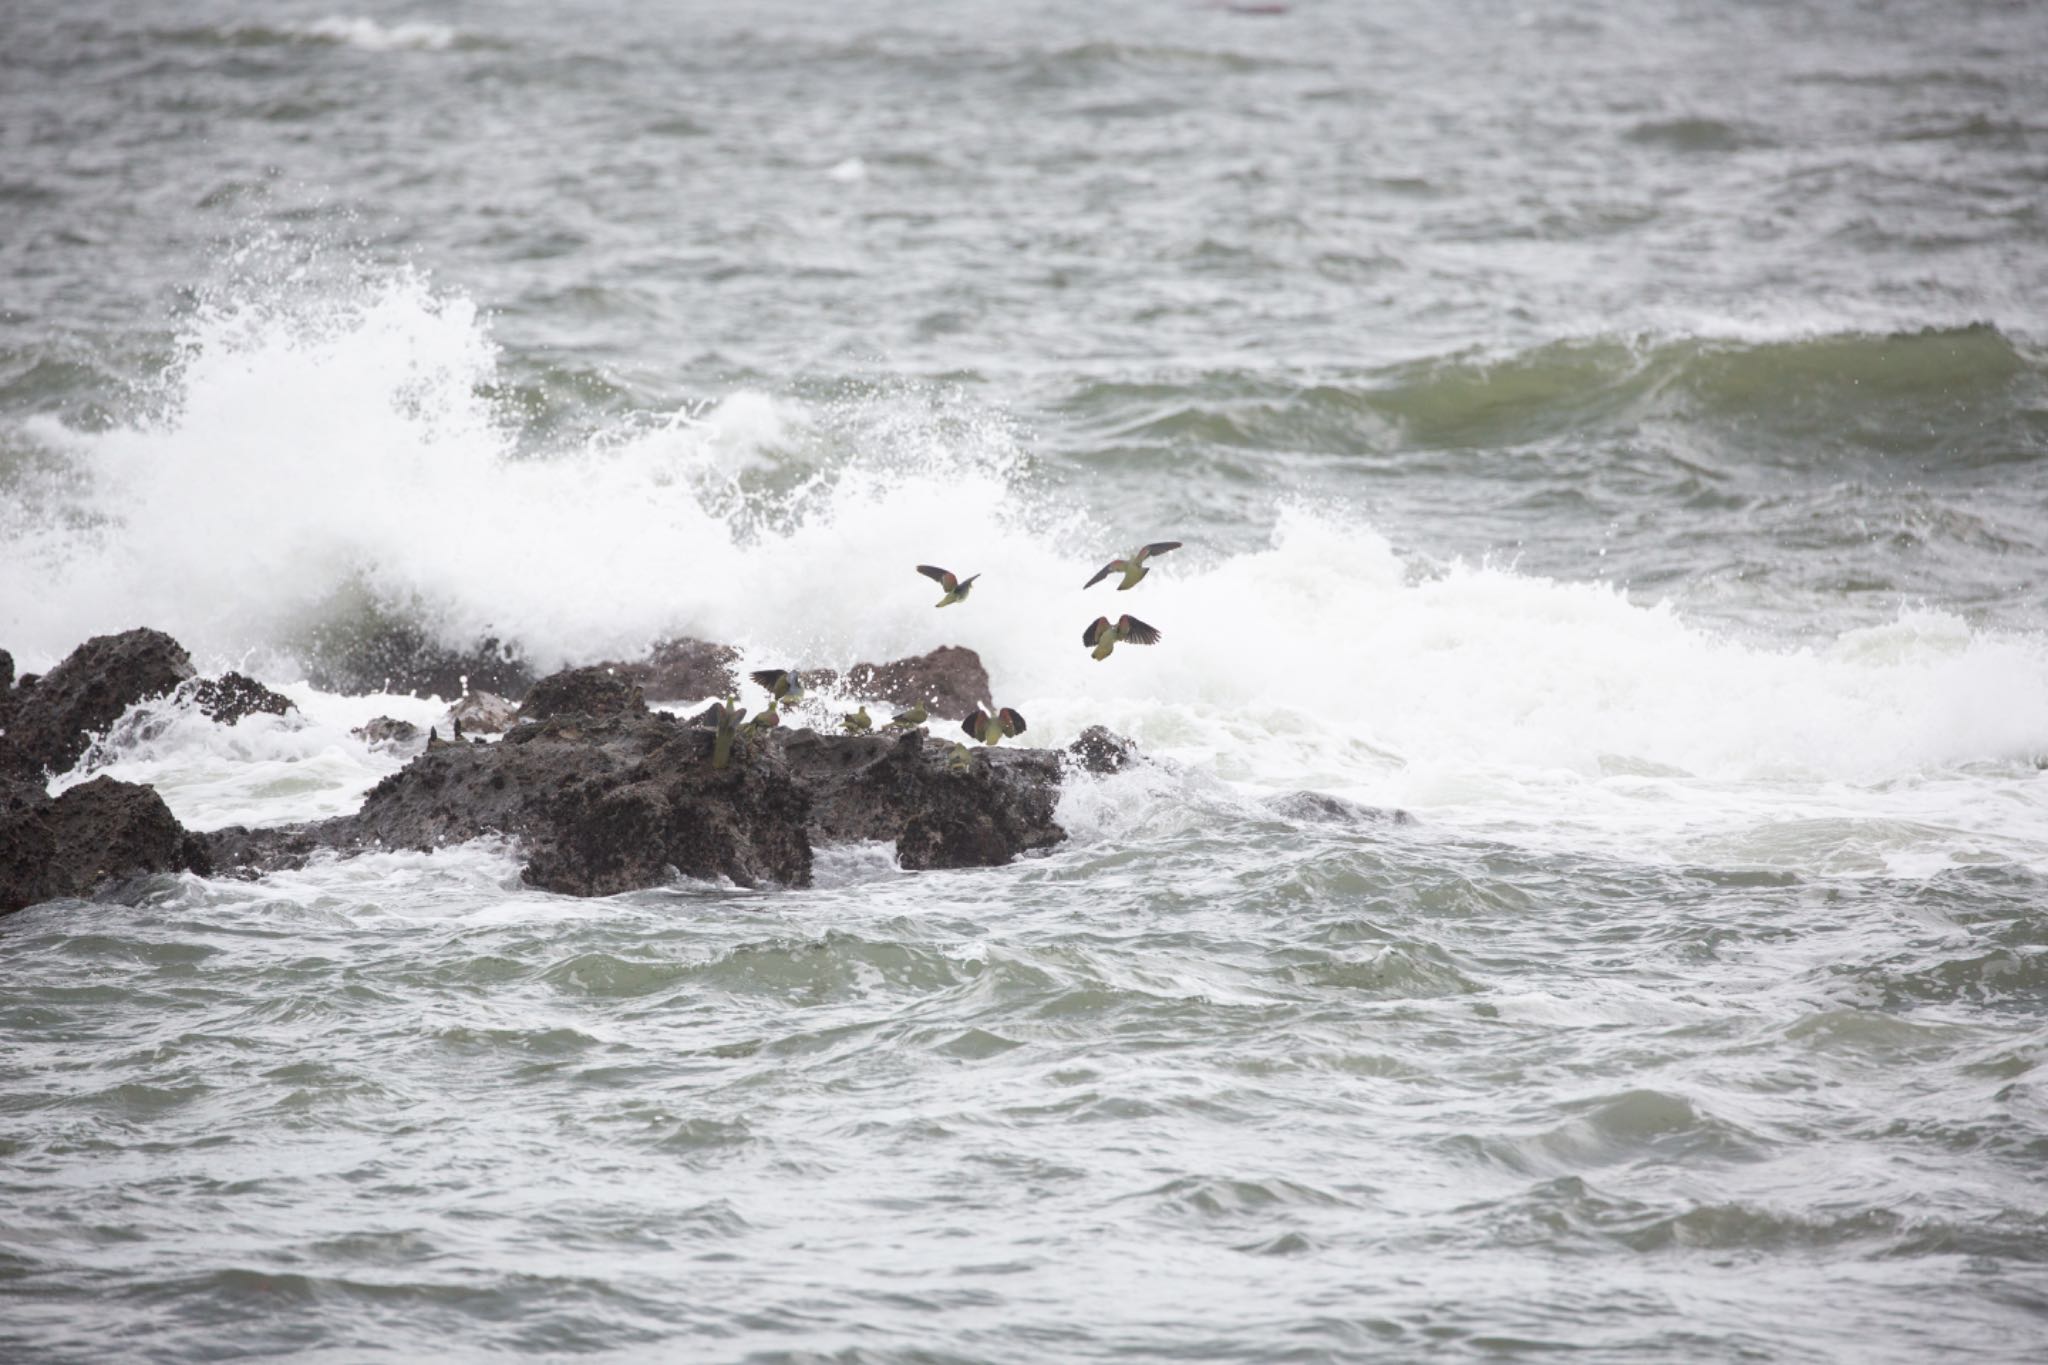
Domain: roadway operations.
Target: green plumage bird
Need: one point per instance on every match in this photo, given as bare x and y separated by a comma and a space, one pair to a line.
728, 727
765, 720
1132, 566
858, 723
993, 729
956, 588
910, 718
1102, 636
782, 683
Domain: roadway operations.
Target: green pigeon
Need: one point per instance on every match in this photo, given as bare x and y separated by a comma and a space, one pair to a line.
909, 719
1104, 637
729, 718
956, 588
961, 759
858, 723
782, 683
1132, 566
765, 720
992, 729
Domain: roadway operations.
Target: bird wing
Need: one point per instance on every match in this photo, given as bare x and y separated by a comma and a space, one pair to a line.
1114, 566
1136, 631
1159, 547
965, 581
767, 677
1013, 723
944, 579
1094, 631
972, 725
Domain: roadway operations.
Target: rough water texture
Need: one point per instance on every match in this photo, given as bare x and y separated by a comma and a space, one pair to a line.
1615, 434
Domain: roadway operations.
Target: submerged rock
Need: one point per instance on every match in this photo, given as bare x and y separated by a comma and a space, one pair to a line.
98, 832
1323, 809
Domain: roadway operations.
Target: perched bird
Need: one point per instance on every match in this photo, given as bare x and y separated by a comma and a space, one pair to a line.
909, 719
858, 723
992, 729
1104, 637
956, 588
1132, 566
729, 718
961, 759
782, 683
764, 721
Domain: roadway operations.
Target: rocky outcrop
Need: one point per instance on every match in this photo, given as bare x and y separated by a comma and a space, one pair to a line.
51, 722
905, 788
950, 681
683, 670
595, 691
232, 696
482, 713
98, 832
600, 794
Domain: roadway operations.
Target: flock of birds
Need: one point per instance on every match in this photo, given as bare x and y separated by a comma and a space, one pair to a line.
786, 688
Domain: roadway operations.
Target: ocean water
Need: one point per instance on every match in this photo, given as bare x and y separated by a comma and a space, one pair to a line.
1615, 434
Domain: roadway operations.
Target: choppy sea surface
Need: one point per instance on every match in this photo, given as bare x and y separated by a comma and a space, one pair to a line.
1616, 434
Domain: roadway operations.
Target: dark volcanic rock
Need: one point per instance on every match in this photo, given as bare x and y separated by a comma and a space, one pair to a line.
53, 723
602, 804
6, 678
904, 787
1102, 751
97, 832
683, 670
950, 681
232, 696
595, 691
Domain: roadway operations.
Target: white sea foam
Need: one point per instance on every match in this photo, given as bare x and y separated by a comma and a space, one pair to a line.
371, 36
303, 449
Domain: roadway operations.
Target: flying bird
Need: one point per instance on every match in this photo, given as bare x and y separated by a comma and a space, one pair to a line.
956, 588
1132, 566
782, 683
993, 729
911, 718
1104, 637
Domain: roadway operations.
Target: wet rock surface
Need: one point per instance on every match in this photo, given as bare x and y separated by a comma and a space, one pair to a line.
950, 681
94, 834
52, 721
600, 794
232, 696
683, 670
